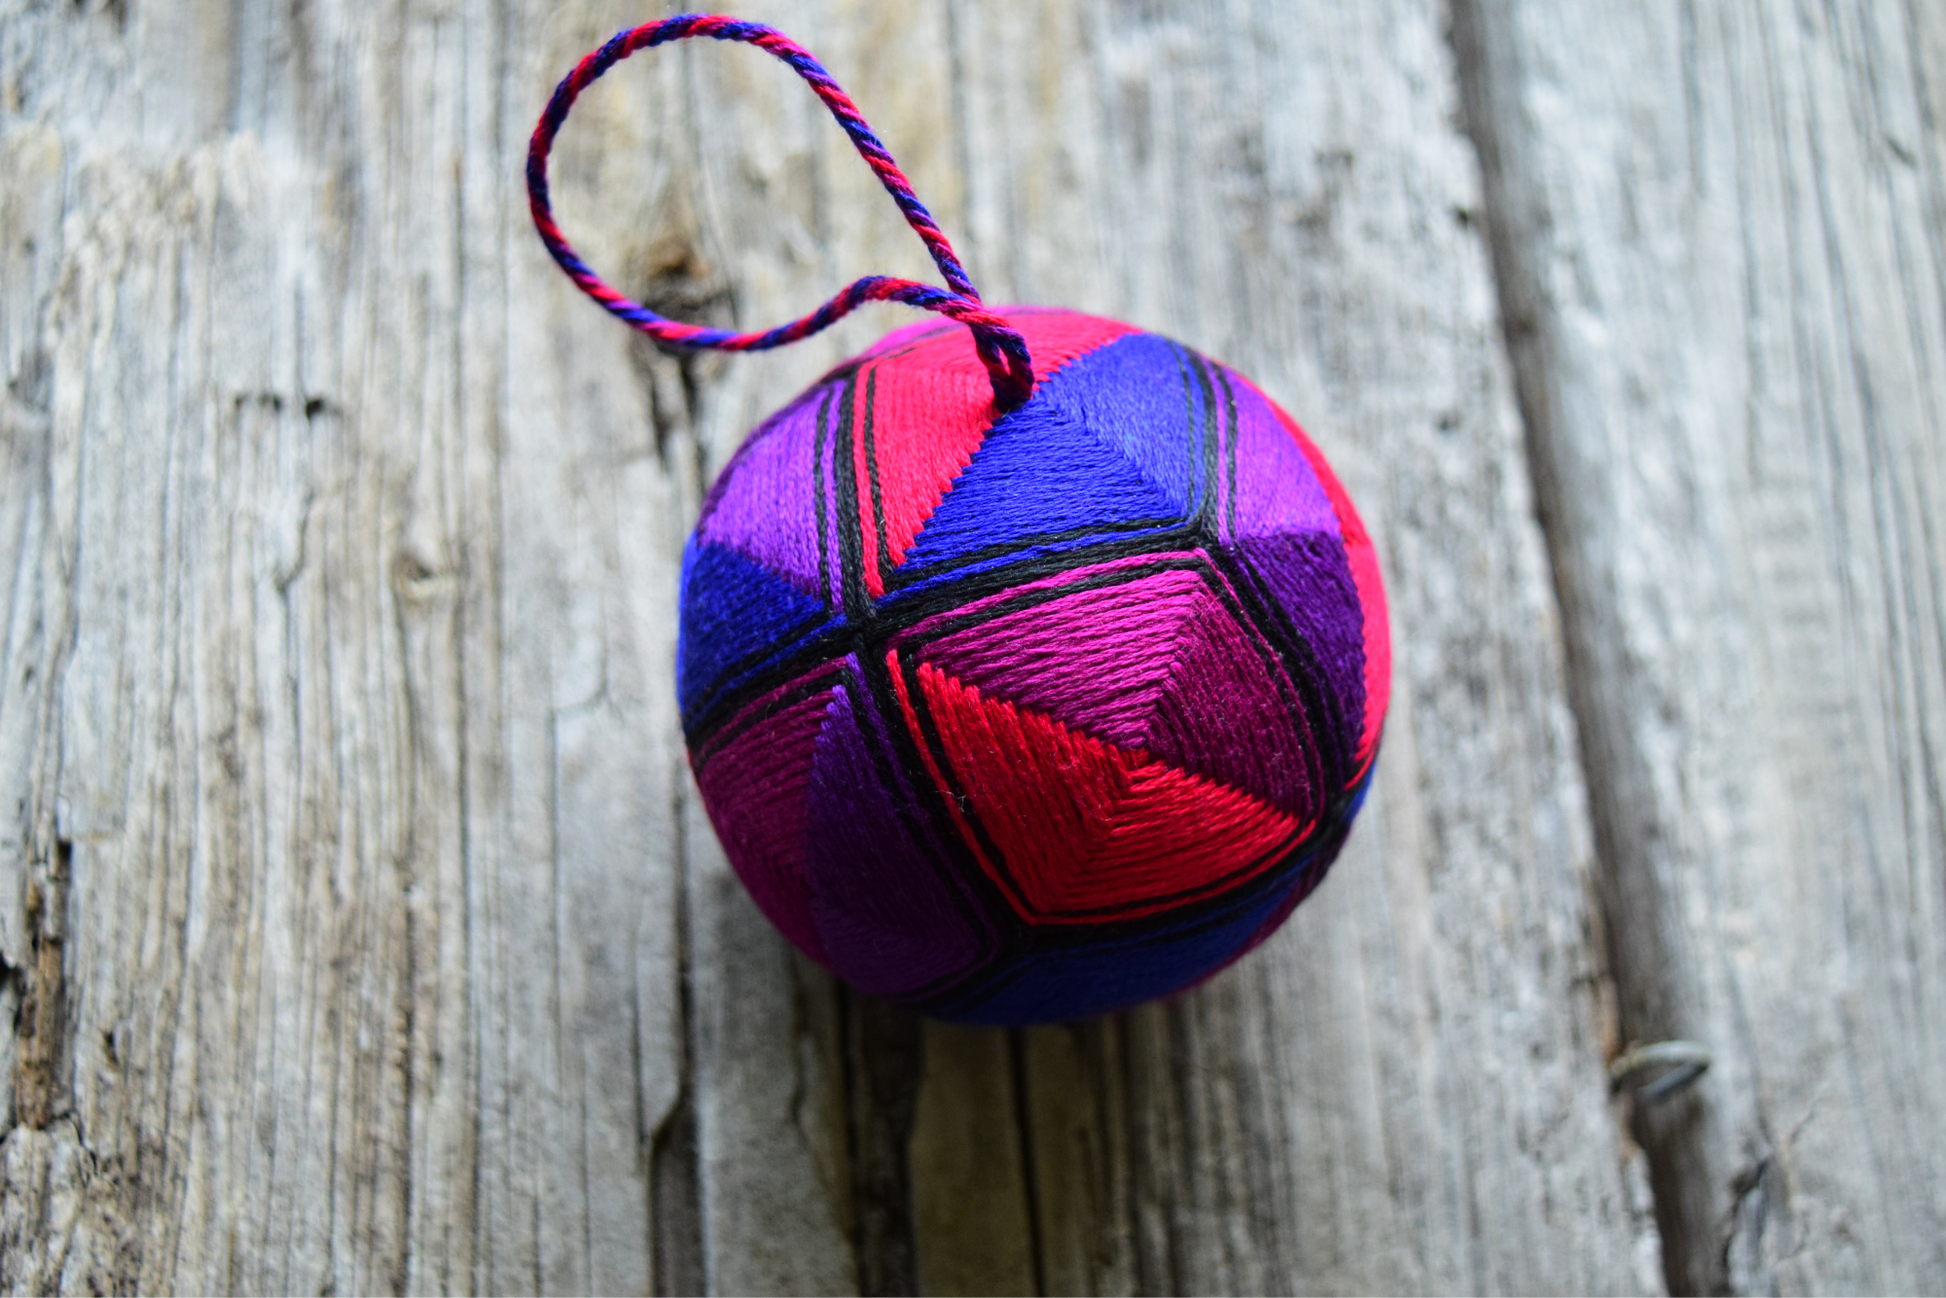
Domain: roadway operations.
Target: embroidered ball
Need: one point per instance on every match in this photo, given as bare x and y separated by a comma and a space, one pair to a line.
1026, 719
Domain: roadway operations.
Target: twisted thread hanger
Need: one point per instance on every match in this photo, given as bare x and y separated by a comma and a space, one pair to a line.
1001, 348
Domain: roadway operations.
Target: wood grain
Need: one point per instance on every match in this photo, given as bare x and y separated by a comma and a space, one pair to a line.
1720, 249
362, 929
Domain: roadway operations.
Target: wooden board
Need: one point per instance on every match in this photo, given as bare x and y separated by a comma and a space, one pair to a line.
364, 931
1719, 236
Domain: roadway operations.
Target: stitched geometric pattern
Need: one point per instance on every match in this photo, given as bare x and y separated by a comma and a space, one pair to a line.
1026, 719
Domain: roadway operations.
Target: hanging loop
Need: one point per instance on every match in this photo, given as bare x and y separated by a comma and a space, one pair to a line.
1000, 346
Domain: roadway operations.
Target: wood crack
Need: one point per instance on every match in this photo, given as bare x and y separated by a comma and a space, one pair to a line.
1023, 1116
677, 1249
1626, 882
885, 1064
41, 1065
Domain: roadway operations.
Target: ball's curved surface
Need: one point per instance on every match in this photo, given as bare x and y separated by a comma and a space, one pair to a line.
1028, 719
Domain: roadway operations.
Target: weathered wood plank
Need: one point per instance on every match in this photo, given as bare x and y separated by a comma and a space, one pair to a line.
1396, 1094
392, 948
1719, 244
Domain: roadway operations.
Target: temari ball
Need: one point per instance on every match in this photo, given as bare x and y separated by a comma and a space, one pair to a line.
1027, 718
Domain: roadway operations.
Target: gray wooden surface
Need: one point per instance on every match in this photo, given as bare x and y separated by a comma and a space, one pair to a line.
361, 930
1722, 230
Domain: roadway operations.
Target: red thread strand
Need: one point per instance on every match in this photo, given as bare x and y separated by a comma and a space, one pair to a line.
1000, 347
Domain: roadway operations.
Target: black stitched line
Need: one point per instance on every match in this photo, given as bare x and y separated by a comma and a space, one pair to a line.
702, 753
961, 874
908, 575
1209, 432
1322, 713
897, 615
817, 469
935, 745
844, 473
1230, 410
1052, 937
871, 472
971, 879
